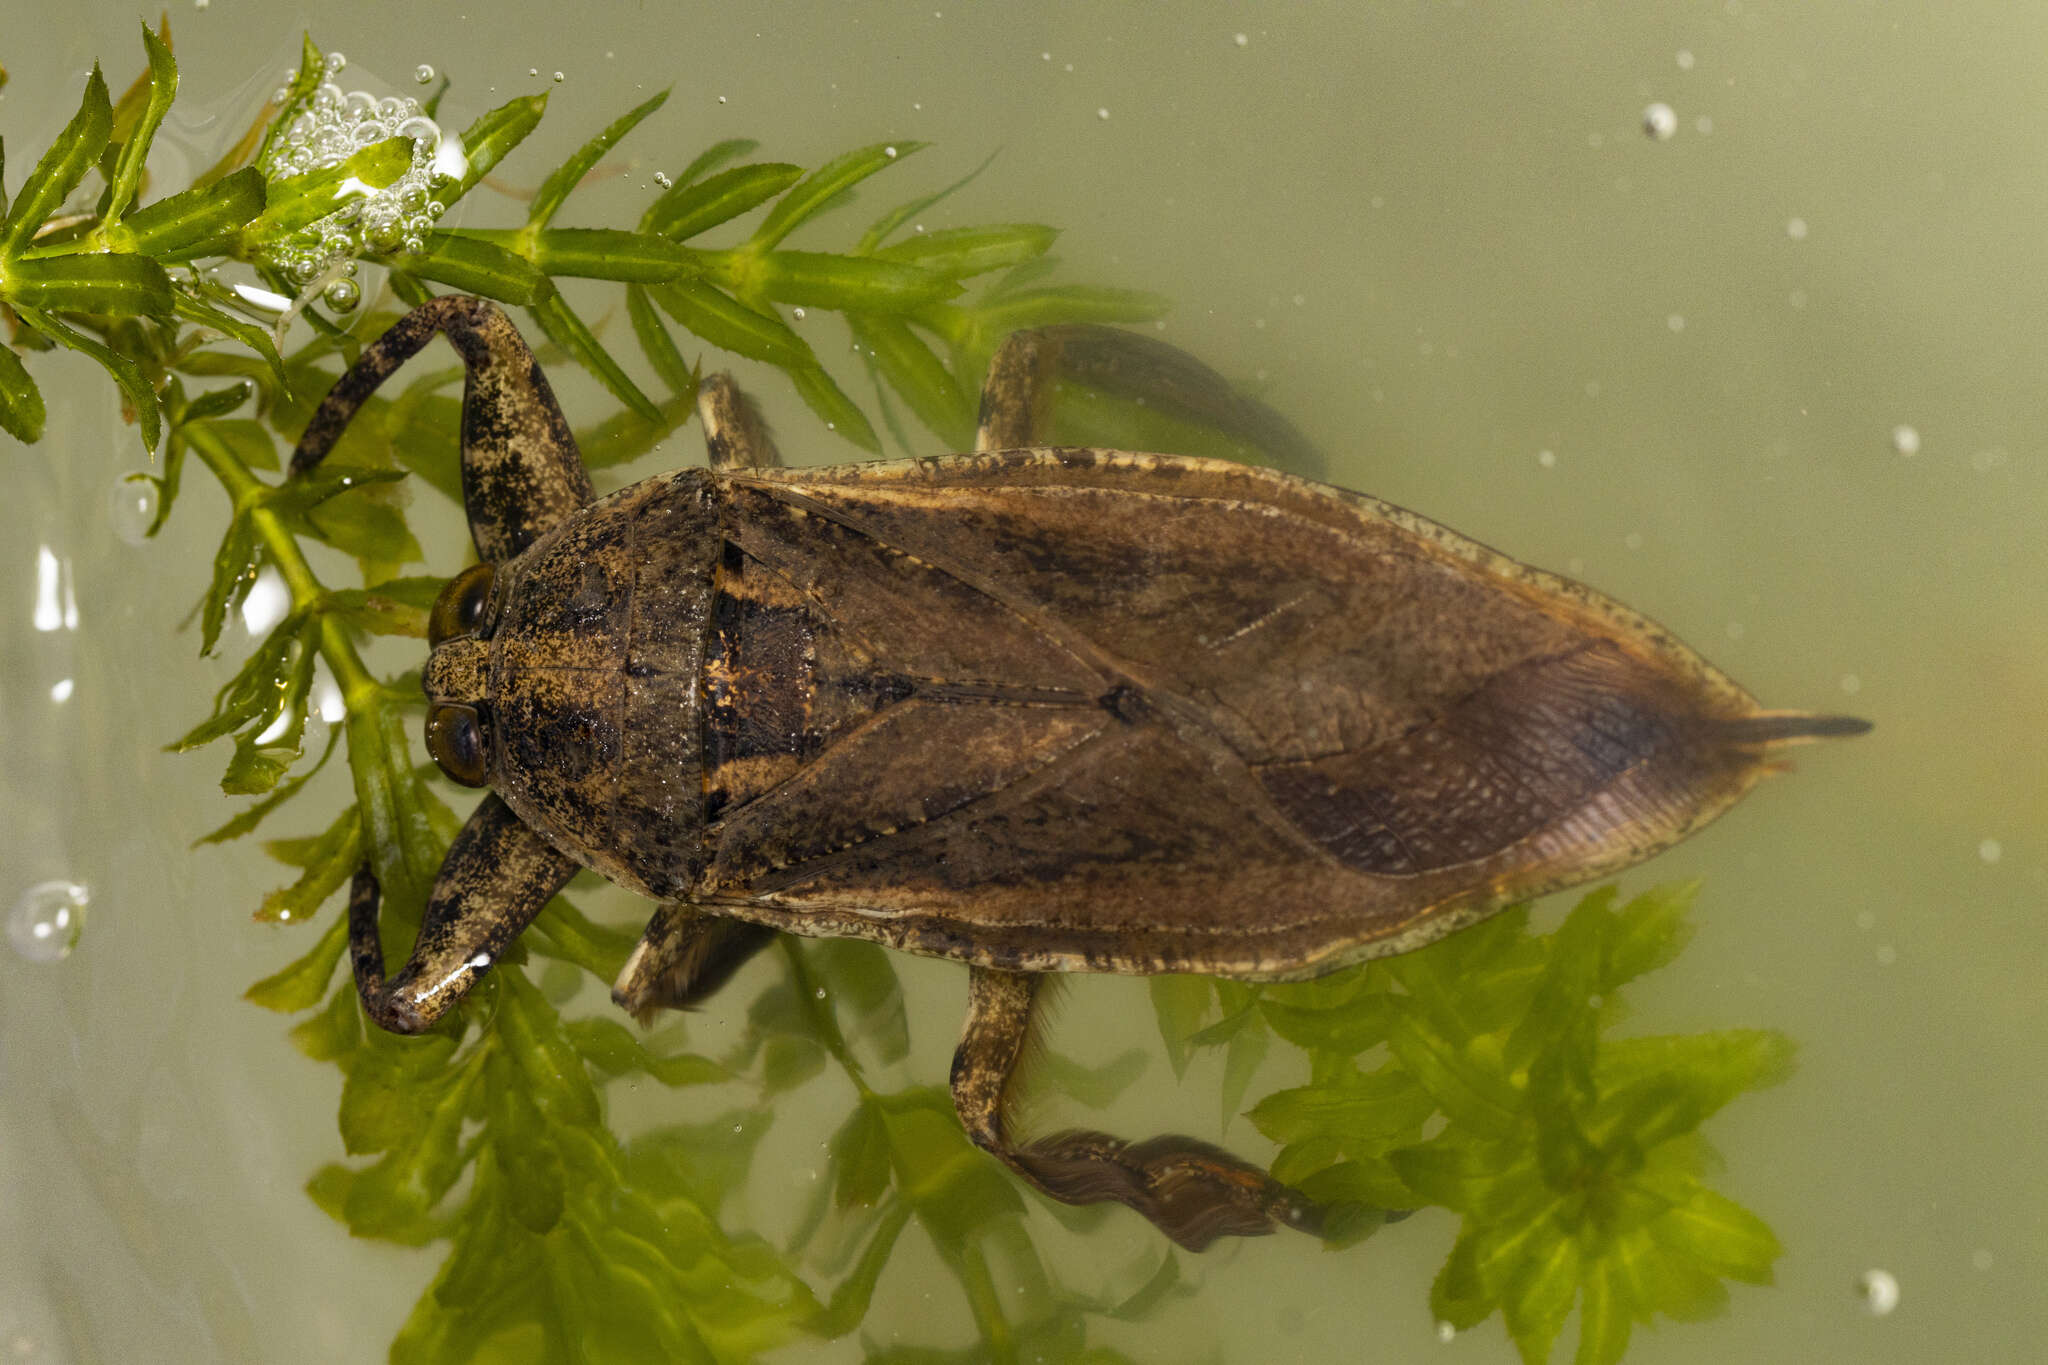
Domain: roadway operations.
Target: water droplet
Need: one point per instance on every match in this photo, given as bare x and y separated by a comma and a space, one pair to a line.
821, 992
889, 152
800, 314
1102, 113
1547, 458
721, 99
1879, 1292
1906, 440
61, 690
1241, 39
342, 295
1684, 60
1660, 122
1795, 228
423, 74
533, 71
661, 179
47, 920
1446, 1332
558, 78
131, 507
1990, 850
335, 63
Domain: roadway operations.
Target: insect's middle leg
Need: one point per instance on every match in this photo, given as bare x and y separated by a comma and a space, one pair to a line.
734, 433
684, 956
1016, 397
1193, 1191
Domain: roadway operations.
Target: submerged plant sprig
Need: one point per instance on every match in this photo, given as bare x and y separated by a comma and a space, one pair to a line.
1572, 1158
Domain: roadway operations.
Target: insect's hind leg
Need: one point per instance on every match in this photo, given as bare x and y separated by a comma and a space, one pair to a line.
734, 433
1192, 1191
684, 956
1016, 398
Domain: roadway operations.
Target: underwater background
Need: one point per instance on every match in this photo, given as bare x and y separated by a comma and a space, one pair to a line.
1733, 310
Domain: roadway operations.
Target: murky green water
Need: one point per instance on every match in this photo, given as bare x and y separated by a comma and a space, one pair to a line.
1439, 238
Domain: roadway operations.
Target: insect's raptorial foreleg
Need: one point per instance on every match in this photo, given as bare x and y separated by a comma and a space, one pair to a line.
1016, 399
734, 433
683, 957
521, 473
1193, 1191
497, 876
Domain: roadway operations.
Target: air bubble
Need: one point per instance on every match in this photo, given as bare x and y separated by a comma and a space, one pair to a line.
1879, 1291
131, 507
1241, 39
1446, 1332
335, 63
1795, 228
47, 920
558, 78
1990, 850
423, 74
1660, 122
342, 295
1906, 440
661, 179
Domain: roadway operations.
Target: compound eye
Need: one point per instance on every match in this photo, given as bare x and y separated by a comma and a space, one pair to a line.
459, 610
455, 739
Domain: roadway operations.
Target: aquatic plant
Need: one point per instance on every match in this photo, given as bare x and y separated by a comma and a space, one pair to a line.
1482, 1075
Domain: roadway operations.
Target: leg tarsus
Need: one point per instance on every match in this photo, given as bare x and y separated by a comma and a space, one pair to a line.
735, 435
1016, 400
684, 956
1192, 1191
497, 877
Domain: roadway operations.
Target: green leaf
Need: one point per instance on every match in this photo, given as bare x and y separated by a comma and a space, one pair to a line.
303, 984
860, 1158
862, 988
961, 253
727, 323
141, 397
1603, 1318
566, 330
882, 228
21, 404
534, 1193
312, 71
1720, 1236
486, 141
332, 863
74, 152
913, 370
1471, 1092
657, 345
392, 1199
548, 200
163, 86
607, 1045
397, 606
193, 222
476, 266
1365, 1113
688, 209
245, 821
825, 398
1066, 303
297, 201
256, 338
1541, 1297
821, 280
1651, 930
1180, 1003
381, 1100
113, 283
609, 254
825, 184
335, 1032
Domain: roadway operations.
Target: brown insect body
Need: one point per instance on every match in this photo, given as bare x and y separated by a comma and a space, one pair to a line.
1031, 709
1082, 710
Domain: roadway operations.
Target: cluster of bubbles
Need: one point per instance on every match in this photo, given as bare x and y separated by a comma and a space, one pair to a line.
46, 921
325, 130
